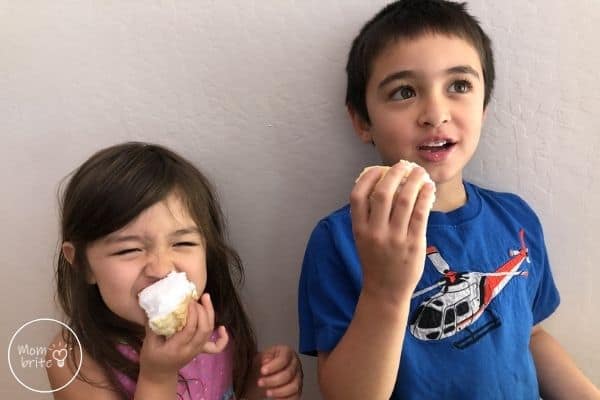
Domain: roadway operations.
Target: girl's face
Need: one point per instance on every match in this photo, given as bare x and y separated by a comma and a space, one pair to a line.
163, 238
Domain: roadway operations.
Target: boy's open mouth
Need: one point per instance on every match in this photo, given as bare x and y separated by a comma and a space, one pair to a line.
436, 145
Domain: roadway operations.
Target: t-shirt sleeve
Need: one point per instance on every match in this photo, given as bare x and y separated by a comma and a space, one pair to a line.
546, 298
328, 290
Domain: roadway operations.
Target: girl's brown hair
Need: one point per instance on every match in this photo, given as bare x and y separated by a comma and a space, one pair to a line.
104, 194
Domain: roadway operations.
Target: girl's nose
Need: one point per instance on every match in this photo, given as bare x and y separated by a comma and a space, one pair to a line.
159, 265
435, 112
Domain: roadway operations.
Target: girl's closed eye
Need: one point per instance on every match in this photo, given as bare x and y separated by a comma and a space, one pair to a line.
186, 244
126, 251
460, 86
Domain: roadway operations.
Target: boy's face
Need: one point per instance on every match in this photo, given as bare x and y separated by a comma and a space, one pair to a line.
425, 102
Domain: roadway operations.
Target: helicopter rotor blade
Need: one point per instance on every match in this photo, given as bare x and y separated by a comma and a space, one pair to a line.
427, 289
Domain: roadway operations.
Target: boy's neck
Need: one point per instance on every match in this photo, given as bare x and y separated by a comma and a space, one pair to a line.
449, 196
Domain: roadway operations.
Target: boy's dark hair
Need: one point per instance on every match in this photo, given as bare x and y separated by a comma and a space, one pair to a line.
104, 194
410, 19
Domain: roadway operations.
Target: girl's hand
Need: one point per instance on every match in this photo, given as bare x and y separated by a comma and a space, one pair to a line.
389, 222
280, 373
161, 358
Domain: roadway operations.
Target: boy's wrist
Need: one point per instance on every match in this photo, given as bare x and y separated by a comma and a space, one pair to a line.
383, 295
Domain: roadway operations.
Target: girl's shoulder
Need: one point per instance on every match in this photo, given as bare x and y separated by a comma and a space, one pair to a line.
91, 371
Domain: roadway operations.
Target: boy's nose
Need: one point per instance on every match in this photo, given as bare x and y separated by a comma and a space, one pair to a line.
435, 113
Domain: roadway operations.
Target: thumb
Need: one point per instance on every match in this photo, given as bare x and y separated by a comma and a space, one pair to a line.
151, 338
269, 355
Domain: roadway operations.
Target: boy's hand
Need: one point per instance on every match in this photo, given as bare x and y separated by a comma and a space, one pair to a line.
389, 223
162, 357
280, 373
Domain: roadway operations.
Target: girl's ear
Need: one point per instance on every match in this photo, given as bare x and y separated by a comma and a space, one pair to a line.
361, 127
68, 250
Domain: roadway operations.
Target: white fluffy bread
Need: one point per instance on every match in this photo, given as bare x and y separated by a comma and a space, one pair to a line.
166, 303
409, 167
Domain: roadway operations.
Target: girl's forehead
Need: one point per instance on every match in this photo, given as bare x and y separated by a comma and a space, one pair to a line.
170, 213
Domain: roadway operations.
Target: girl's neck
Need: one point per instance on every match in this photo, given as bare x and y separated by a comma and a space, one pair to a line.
449, 196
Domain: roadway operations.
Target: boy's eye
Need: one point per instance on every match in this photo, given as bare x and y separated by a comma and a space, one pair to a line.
461, 86
125, 251
403, 93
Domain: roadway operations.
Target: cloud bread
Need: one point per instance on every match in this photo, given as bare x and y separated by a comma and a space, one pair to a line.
166, 303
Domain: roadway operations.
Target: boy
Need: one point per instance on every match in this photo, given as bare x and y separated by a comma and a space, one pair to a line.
402, 302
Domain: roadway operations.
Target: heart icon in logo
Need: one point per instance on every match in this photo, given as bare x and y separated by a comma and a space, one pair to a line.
59, 356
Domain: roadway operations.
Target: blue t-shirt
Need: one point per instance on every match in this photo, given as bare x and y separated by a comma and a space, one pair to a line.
485, 284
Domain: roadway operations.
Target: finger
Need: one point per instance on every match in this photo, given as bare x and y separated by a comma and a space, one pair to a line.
359, 197
204, 330
206, 324
383, 195
208, 307
151, 338
421, 211
283, 384
218, 345
287, 392
187, 333
283, 358
404, 202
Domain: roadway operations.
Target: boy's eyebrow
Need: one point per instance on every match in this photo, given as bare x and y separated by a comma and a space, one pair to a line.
459, 69
397, 76
463, 69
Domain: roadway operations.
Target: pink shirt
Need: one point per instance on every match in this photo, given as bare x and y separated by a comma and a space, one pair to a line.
209, 376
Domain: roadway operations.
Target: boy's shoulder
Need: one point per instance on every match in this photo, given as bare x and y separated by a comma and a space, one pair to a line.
508, 201
339, 216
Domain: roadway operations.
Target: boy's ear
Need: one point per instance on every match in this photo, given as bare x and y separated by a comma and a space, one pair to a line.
361, 127
68, 250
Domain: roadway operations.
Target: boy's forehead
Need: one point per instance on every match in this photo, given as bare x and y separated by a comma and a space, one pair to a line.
425, 54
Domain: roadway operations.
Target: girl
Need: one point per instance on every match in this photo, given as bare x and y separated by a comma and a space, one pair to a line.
131, 214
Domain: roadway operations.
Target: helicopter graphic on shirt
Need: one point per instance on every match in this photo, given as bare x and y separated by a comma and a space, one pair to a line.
463, 297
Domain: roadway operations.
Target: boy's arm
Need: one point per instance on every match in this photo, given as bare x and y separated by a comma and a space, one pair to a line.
365, 363
389, 222
558, 376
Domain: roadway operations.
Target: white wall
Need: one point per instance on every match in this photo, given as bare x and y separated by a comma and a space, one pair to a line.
252, 92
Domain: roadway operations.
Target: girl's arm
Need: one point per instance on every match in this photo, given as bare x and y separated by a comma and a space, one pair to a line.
557, 373
148, 388
160, 360
78, 389
276, 373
